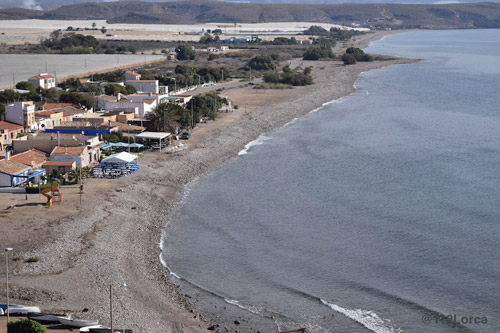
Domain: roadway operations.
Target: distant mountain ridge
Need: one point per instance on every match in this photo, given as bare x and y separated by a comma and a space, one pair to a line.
47, 5
467, 15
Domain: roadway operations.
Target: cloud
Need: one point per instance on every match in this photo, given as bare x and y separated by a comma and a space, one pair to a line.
31, 4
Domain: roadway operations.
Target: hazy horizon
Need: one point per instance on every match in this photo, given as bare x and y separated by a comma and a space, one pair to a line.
52, 4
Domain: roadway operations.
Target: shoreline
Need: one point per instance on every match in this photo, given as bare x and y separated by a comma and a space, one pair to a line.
119, 241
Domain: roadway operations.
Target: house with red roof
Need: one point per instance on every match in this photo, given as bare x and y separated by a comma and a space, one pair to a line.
8, 132
43, 80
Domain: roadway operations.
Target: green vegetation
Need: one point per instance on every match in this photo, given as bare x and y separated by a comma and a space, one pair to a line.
206, 105
261, 63
330, 37
115, 89
32, 259
20, 135
348, 59
359, 54
9, 96
24, 85
114, 137
206, 39
167, 117
353, 55
76, 98
316, 53
116, 76
213, 56
185, 52
26, 326
70, 43
284, 41
289, 77
77, 174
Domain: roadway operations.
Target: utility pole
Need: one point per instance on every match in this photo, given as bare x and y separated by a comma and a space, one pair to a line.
111, 306
192, 117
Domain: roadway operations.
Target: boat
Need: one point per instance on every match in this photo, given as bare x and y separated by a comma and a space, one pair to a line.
1, 312
46, 317
19, 309
88, 328
66, 321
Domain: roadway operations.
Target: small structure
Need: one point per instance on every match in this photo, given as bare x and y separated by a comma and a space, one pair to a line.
62, 166
120, 158
224, 48
116, 165
79, 155
163, 139
14, 173
145, 86
44, 81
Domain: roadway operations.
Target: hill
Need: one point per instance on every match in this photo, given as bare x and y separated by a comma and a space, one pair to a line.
47, 5
465, 15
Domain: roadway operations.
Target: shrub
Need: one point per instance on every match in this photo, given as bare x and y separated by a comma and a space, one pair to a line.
33, 259
348, 59
26, 326
185, 52
316, 53
261, 63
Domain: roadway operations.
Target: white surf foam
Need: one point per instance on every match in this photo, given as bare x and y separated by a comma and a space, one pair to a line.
257, 142
253, 309
163, 262
368, 319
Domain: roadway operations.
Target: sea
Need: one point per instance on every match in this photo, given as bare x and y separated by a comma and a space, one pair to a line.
378, 212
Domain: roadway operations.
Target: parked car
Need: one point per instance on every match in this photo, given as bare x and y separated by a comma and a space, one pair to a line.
185, 136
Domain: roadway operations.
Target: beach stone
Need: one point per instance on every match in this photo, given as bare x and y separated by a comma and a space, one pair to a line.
211, 328
237, 322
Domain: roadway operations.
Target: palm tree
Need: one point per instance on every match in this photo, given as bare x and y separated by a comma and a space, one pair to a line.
165, 117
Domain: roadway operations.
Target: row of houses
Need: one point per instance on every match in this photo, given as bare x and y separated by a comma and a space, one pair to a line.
62, 136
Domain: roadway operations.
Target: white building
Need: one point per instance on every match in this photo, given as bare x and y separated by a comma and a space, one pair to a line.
21, 113
44, 81
224, 48
142, 105
145, 86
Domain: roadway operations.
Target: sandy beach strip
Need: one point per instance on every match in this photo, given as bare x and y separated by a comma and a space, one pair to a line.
115, 235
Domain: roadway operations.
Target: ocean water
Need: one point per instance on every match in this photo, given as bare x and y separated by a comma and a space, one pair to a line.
377, 213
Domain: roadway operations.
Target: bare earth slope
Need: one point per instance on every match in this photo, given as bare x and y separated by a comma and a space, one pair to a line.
465, 15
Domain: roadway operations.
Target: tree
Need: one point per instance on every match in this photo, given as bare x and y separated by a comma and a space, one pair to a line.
26, 326
261, 63
104, 30
166, 117
24, 85
2, 111
316, 53
185, 52
206, 38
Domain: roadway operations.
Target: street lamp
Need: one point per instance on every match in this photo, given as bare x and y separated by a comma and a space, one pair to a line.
123, 285
7, 250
